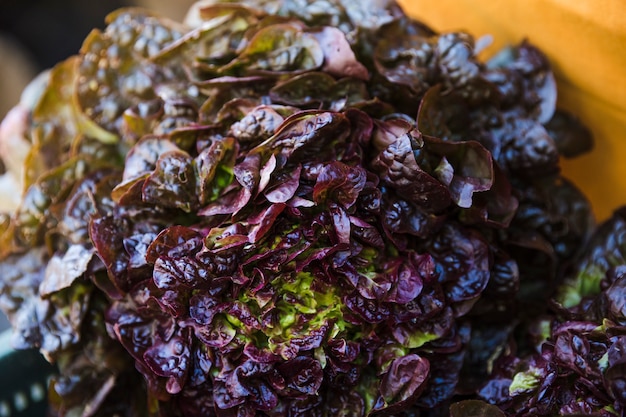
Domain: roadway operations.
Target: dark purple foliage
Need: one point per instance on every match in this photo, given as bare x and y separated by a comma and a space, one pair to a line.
305, 208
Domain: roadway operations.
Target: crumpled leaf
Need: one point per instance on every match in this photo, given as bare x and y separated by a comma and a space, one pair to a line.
540, 86
398, 168
141, 161
402, 384
443, 116
214, 41
59, 110
173, 182
339, 60
306, 135
258, 124
339, 182
278, 48
51, 325
405, 61
465, 167
116, 63
319, 89
61, 271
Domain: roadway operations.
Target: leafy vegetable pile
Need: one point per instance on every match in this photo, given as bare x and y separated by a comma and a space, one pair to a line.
308, 208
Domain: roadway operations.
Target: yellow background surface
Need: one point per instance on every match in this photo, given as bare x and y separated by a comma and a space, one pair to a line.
585, 41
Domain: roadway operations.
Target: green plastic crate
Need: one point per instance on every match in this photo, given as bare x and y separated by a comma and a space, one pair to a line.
24, 379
